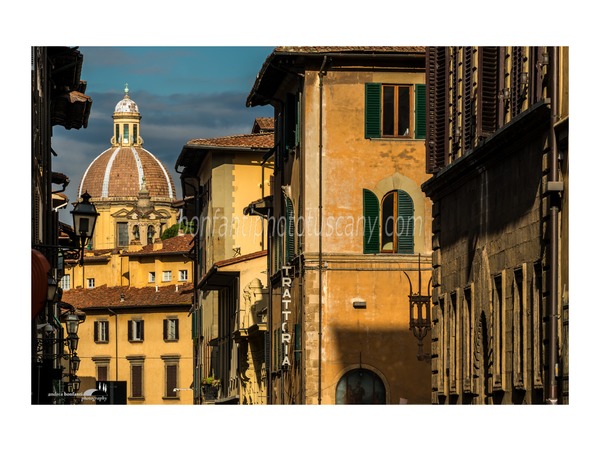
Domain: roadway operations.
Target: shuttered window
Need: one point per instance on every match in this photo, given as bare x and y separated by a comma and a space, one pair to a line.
170, 329
290, 231
468, 107
391, 111
135, 330
102, 373
436, 62
297, 344
171, 380
101, 331
420, 116
392, 231
488, 89
372, 110
371, 222
137, 380
405, 221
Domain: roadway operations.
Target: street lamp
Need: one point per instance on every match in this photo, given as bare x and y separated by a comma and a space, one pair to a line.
420, 319
84, 221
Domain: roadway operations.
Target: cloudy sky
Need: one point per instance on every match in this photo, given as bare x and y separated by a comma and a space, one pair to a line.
182, 93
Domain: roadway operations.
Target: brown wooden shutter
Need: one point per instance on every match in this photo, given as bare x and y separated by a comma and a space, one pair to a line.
454, 103
467, 101
129, 330
436, 71
488, 90
165, 329
171, 380
102, 373
176, 328
96, 331
141, 330
517, 95
136, 381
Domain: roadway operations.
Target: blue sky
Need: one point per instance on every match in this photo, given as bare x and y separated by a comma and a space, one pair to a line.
182, 93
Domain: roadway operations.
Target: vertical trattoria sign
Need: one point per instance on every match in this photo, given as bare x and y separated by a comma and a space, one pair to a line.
286, 299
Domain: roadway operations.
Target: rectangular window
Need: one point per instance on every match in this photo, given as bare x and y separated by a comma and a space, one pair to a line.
90, 282
126, 134
166, 275
453, 343
183, 275
122, 234
467, 339
519, 354
102, 372
171, 373
65, 282
101, 331
117, 131
171, 329
135, 133
137, 379
537, 316
151, 277
135, 330
498, 331
395, 110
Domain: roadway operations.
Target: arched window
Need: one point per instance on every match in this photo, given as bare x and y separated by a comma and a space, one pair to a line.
360, 387
151, 234
389, 226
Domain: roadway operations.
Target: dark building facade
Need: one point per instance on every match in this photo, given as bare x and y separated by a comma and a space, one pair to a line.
57, 99
497, 146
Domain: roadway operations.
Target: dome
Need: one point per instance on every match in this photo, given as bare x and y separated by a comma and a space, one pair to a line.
120, 172
126, 106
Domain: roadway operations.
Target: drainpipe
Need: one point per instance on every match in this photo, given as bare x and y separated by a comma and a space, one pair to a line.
321, 74
552, 380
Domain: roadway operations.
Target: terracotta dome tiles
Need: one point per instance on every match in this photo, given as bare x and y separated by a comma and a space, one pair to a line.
118, 172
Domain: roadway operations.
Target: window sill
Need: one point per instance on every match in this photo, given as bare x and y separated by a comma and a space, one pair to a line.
171, 398
171, 340
101, 342
136, 341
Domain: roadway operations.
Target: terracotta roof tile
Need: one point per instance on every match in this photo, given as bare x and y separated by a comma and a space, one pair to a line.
263, 124
176, 244
237, 259
256, 140
110, 297
122, 167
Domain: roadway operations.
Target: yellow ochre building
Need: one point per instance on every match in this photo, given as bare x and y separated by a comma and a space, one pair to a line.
134, 288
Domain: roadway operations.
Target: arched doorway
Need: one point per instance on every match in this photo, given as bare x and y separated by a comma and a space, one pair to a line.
360, 387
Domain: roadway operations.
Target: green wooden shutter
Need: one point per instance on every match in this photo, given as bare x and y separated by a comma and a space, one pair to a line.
420, 117
371, 222
297, 343
372, 110
405, 224
290, 232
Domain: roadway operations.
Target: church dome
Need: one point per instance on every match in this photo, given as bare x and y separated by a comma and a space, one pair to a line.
120, 172
126, 105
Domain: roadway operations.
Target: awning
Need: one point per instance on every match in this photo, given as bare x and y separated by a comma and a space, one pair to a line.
39, 282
